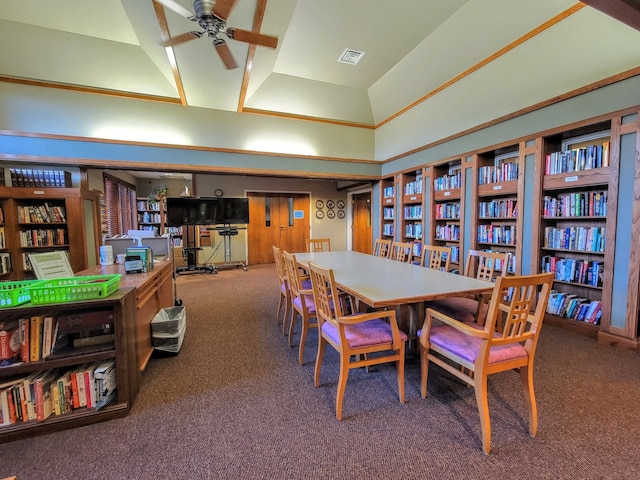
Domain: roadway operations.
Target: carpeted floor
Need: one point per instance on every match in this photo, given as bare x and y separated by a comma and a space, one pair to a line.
234, 403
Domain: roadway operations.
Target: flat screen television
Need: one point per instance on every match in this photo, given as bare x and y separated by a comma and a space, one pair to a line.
206, 211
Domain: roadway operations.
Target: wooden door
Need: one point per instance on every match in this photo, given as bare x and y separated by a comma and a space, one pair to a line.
280, 219
362, 232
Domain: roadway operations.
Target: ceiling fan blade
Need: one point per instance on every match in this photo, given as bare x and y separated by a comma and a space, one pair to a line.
222, 8
176, 7
185, 37
252, 37
225, 54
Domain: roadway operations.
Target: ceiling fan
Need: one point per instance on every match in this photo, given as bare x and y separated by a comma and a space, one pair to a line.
212, 15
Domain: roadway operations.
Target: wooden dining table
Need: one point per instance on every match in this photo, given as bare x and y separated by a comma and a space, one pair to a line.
380, 282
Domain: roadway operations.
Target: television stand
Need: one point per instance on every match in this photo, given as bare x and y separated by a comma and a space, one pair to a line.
192, 262
226, 232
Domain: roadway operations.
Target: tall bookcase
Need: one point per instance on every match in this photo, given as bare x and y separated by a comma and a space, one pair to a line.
388, 207
447, 209
121, 306
152, 215
498, 191
576, 234
40, 220
412, 206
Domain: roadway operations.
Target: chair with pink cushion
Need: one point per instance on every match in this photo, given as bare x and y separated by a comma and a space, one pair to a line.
507, 342
354, 336
482, 265
285, 295
301, 301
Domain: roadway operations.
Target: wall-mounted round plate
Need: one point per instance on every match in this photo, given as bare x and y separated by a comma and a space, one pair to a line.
319, 204
330, 204
319, 214
340, 204
331, 214
340, 213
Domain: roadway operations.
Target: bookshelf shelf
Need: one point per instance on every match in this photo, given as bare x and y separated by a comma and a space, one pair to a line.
40, 220
121, 307
447, 209
388, 207
152, 215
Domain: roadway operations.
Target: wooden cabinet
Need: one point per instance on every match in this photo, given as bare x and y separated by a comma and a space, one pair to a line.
447, 209
121, 305
41, 220
388, 207
498, 190
577, 225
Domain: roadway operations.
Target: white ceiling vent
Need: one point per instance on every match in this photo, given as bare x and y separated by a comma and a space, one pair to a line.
351, 56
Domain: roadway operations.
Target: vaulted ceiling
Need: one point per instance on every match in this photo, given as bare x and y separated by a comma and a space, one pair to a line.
413, 50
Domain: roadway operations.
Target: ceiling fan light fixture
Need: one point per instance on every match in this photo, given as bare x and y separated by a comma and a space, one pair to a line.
351, 56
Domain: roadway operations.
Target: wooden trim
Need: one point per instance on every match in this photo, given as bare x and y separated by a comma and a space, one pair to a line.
307, 118
516, 43
85, 89
617, 341
164, 33
538, 176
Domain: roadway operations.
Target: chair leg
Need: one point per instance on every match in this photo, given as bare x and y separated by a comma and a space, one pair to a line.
322, 343
303, 340
342, 384
287, 312
424, 370
292, 324
400, 368
480, 384
280, 302
526, 377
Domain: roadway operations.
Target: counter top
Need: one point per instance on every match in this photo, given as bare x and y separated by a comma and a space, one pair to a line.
128, 280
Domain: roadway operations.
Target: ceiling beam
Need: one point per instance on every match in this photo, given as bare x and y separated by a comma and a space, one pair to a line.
625, 11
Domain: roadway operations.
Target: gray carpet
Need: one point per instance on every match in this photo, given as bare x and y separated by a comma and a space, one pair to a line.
234, 403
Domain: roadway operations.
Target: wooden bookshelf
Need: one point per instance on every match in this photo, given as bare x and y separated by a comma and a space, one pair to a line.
576, 225
447, 209
388, 191
122, 306
411, 226
152, 215
498, 189
56, 223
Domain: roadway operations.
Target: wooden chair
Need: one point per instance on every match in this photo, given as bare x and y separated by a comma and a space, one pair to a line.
381, 247
481, 265
301, 301
400, 251
436, 257
319, 244
285, 295
472, 354
354, 336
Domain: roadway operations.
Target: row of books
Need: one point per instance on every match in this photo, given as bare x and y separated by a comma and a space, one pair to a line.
388, 213
1, 212
503, 172
413, 230
583, 272
388, 192
45, 213
58, 391
575, 307
447, 182
387, 229
28, 177
498, 209
577, 159
448, 232
582, 239
3, 243
581, 204
149, 217
415, 187
44, 237
500, 234
446, 211
413, 212
148, 206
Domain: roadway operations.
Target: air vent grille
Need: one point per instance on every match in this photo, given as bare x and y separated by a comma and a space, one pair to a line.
351, 56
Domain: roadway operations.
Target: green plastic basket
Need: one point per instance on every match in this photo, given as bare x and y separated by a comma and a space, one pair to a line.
61, 290
15, 293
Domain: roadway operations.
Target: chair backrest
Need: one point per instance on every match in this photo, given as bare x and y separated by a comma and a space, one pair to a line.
381, 247
436, 257
325, 294
400, 251
280, 268
319, 244
516, 310
486, 265
294, 274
